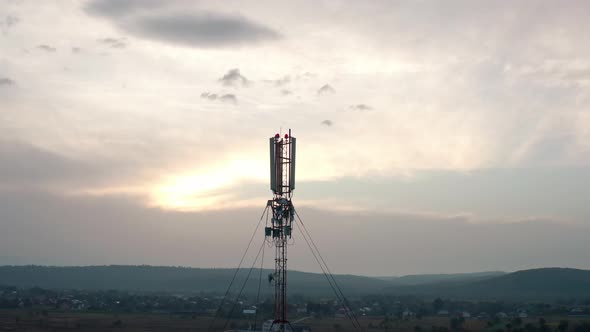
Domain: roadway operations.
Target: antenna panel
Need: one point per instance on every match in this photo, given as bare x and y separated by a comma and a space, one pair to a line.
292, 170
273, 168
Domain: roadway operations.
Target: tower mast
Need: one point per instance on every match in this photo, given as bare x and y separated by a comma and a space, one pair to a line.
282, 184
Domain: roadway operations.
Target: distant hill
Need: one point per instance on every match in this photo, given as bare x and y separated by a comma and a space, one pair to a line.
176, 279
545, 283
421, 279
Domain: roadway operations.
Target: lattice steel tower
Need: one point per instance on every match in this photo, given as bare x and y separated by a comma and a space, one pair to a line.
282, 184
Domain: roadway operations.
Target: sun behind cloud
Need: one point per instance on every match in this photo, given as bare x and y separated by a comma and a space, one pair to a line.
208, 189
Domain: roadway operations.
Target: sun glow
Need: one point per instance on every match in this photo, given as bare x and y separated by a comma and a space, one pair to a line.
207, 189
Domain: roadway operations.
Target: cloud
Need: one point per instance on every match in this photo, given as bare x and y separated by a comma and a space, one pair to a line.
46, 48
361, 107
328, 123
91, 221
229, 98
305, 76
208, 95
108, 40
118, 8
202, 30
326, 89
26, 165
577, 75
281, 81
76, 50
286, 92
114, 42
174, 22
225, 98
234, 78
6, 81
8, 22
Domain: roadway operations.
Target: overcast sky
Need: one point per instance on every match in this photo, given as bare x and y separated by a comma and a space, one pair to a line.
433, 136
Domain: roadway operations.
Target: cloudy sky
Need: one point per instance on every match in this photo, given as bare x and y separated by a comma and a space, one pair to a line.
433, 136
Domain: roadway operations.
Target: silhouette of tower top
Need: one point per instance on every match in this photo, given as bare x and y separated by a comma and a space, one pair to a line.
282, 164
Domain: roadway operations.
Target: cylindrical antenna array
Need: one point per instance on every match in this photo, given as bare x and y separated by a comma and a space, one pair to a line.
282, 164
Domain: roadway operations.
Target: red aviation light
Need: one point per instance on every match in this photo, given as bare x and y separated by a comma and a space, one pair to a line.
277, 135
286, 135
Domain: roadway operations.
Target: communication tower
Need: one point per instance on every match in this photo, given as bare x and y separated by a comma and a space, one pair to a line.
282, 184
277, 232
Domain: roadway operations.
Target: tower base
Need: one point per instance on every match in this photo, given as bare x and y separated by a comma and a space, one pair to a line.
280, 326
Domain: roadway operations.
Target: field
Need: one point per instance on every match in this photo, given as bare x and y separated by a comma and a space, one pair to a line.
33, 321
21, 320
